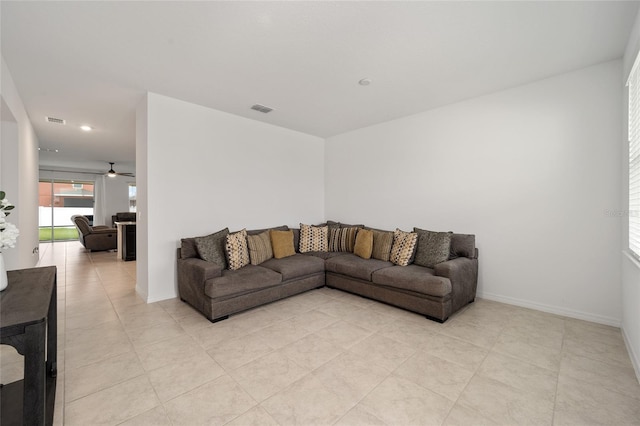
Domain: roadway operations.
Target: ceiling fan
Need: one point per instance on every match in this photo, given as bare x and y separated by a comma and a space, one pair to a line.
113, 173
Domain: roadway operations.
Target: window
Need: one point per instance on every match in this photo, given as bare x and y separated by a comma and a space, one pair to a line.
132, 197
58, 201
634, 160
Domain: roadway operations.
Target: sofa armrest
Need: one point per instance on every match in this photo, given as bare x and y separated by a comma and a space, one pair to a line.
192, 274
199, 270
463, 274
97, 227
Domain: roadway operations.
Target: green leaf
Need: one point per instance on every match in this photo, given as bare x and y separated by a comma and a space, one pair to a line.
2, 194
9, 208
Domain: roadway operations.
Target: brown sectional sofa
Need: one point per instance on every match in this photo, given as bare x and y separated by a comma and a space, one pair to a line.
436, 293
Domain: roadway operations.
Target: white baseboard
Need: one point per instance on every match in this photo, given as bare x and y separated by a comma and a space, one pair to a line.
600, 319
142, 293
635, 359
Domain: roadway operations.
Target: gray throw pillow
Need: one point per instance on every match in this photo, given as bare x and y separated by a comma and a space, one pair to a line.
433, 247
212, 247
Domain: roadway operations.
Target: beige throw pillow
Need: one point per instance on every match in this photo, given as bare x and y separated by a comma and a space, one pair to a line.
237, 251
313, 238
259, 248
382, 242
404, 244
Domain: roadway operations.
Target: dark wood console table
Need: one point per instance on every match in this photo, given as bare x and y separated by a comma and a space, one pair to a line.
126, 240
28, 322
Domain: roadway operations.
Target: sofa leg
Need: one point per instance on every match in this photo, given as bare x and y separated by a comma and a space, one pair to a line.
436, 319
472, 300
219, 319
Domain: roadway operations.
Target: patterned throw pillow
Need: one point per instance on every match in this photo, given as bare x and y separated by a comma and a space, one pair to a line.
364, 244
237, 251
382, 242
212, 247
404, 244
342, 239
433, 247
313, 238
259, 248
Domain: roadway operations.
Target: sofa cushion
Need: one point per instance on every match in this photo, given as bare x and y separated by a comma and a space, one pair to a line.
237, 250
463, 245
295, 266
259, 247
334, 224
324, 254
188, 248
363, 246
241, 281
282, 244
212, 247
313, 238
354, 266
404, 246
433, 247
382, 242
342, 239
260, 231
413, 278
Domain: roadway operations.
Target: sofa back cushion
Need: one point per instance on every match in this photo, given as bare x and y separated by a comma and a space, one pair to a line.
313, 238
210, 247
259, 247
463, 245
260, 231
342, 239
282, 243
82, 223
433, 247
126, 217
188, 248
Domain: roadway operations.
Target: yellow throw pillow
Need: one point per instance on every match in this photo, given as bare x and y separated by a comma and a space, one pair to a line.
282, 243
364, 244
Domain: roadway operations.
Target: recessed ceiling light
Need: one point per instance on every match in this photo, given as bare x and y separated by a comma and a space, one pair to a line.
86, 128
365, 82
48, 149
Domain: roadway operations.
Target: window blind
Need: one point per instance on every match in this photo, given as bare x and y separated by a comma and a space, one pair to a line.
634, 159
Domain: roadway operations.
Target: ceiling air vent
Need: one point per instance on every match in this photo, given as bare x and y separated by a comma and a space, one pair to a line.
56, 120
262, 108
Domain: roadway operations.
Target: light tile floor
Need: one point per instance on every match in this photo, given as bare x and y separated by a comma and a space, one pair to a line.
323, 357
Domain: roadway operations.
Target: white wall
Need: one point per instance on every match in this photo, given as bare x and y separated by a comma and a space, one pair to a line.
630, 266
207, 170
530, 171
116, 196
19, 172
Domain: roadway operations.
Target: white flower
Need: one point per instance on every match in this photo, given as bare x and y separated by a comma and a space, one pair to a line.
8, 236
8, 231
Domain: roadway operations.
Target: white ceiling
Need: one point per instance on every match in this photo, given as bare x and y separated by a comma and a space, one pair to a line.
91, 62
